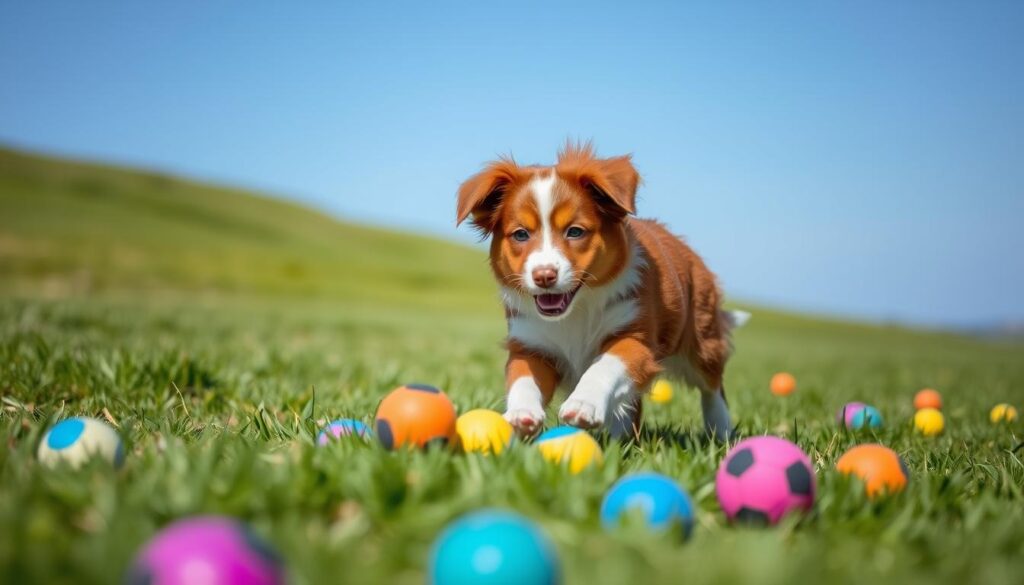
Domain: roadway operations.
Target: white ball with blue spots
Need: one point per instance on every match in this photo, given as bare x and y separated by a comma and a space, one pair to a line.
74, 441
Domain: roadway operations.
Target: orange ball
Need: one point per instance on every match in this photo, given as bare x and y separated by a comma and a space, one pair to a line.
782, 384
416, 415
879, 467
928, 398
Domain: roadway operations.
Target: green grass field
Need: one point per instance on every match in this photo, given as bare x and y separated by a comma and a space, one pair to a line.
218, 330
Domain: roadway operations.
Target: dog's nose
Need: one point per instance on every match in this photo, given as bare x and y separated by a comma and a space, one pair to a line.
545, 276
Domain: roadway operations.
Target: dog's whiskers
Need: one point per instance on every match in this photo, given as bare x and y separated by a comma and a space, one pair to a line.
579, 278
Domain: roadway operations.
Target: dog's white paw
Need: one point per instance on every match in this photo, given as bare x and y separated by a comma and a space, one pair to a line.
526, 422
581, 413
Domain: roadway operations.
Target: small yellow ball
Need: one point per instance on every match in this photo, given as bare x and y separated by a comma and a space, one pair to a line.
662, 392
483, 431
1003, 413
570, 445
929, 422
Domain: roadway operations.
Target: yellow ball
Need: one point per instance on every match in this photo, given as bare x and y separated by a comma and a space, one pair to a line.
661, 392
1003, 413
483, 431
570, 445
929, 422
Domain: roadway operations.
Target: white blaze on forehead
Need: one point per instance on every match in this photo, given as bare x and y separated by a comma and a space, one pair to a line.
542, 188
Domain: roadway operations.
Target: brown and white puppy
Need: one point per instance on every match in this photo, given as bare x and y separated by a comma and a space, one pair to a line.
597, 302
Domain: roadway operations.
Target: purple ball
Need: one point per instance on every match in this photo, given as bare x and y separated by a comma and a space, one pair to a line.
764, 478
207, 550
847, 412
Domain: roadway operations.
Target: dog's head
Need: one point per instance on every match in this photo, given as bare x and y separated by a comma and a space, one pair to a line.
553, 229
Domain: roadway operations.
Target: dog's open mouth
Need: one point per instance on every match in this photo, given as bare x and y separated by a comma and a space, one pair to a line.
553, 305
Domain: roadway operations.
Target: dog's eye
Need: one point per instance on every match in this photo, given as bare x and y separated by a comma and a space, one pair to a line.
574, 233
520, 235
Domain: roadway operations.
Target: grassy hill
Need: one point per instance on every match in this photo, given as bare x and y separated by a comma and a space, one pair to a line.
69, 228
219, 330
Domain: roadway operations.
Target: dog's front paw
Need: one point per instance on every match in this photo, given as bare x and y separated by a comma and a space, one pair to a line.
526, 422
581, 413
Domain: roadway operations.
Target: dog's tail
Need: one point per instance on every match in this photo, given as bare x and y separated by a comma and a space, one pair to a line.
736, 319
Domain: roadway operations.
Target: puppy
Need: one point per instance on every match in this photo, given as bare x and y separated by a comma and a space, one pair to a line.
597, 301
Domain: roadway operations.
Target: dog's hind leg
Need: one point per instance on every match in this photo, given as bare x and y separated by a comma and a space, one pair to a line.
717, 421
715, 408
626, 417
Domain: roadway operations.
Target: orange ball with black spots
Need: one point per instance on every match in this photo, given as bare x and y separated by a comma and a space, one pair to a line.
416, 415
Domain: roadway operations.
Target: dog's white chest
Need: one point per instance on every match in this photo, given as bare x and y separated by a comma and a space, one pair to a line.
574, 342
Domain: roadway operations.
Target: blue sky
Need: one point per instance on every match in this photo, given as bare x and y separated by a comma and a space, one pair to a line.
861, 158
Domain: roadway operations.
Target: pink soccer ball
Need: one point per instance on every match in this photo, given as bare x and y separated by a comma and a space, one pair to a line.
764, 478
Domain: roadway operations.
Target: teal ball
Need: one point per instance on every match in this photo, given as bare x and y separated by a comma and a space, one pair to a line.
493, 547
867, 417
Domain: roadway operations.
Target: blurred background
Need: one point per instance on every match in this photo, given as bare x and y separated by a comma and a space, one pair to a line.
858, 159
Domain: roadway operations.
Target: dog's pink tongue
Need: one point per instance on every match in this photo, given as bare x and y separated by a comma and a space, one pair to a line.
551, 302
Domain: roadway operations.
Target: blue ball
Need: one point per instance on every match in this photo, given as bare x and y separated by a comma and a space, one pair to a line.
866, 417
661, 501
64, 434
343, 427
493, 547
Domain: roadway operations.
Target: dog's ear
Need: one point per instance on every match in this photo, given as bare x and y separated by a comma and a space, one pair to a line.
481, 195
613, 185
612, 182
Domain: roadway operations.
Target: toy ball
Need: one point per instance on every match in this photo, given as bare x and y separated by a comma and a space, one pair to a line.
343, 427
662, 392
782, 384
211, 550
928, 398
416, 415
569, 445
662, 503
1003, 413
493, 547
879, 467
764, 478
845, 415
865, 417
483, 431
76, 440
929, 422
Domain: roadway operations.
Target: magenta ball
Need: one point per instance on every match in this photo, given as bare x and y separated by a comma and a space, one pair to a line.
210, 550
847, 412
764, 478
